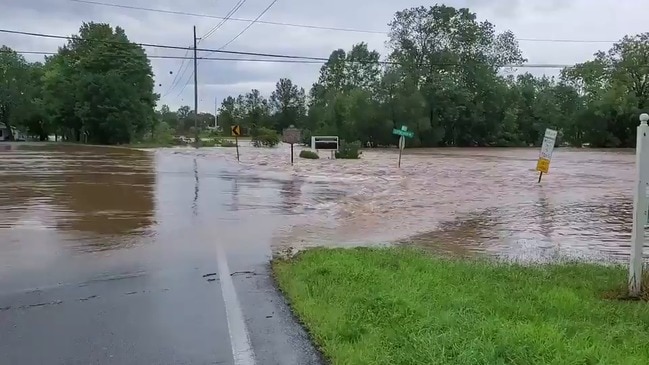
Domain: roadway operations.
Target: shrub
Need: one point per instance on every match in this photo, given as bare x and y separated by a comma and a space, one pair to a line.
209, 143
349, 150
228, 143
306, 137
309, 154
264, 137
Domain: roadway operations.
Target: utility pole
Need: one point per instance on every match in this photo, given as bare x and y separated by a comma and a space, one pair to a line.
196, 141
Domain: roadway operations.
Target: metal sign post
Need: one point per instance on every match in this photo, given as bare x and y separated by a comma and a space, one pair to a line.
402, 133
291, 135
640, 207
543, 164
236, 132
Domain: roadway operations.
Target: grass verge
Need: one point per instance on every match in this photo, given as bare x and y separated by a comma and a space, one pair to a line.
401, 306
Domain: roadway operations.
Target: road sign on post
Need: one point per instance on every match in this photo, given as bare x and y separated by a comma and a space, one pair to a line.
543, 164
236, 132
291, 135
402, 133
640, 207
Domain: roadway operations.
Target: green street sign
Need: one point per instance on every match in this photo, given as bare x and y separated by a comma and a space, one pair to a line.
404, 132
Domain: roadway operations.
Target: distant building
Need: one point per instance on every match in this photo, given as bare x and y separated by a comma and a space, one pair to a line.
4, 133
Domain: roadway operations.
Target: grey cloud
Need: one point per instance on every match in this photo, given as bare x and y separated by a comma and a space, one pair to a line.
576, 19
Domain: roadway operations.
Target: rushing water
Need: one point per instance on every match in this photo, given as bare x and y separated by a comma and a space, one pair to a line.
460, 201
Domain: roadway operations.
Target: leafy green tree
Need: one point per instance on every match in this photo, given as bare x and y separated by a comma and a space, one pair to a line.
288, 104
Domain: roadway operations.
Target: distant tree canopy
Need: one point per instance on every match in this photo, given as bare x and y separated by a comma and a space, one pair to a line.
98, 88
448, 77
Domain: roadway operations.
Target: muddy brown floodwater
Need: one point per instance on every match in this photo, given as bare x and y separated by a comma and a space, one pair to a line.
460, 201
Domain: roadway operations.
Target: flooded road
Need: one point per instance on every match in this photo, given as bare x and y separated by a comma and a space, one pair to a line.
116, 256
157, 256
464, 201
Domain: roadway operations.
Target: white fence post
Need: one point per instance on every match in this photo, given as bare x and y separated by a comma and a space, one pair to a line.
640, 207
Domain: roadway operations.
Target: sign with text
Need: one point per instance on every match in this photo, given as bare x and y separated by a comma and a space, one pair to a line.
326, 143
291, 135
549, 140
402, 133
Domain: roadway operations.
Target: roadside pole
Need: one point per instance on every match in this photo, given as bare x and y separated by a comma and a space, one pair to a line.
402, 145
402, 133
196, 134
640, 207
236, 132
291, 135
543, 164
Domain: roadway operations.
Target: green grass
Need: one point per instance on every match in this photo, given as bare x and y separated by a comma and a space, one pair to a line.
401, 306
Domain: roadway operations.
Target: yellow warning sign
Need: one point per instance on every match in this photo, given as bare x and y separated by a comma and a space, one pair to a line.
236, 131
543, 165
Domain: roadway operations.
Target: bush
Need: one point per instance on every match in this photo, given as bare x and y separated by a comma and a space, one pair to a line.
309, 154
264, 137
228, 143
209, 143
306, 137
349, 150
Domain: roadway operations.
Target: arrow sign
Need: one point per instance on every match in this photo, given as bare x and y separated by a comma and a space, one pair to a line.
236, 131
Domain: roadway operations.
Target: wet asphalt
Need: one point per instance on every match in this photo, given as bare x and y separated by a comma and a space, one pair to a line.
75, 288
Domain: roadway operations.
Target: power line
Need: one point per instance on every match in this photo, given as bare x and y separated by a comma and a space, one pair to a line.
163, 46
249, 25
171, 57
176, 76
234, 9
184, 13
266, 60
310, 26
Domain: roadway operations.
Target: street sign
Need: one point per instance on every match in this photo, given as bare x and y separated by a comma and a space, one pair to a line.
324, 143
543, 163
236, 132
292, 136
402, 133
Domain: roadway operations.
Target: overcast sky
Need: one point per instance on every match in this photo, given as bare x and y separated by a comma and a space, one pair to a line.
598, 20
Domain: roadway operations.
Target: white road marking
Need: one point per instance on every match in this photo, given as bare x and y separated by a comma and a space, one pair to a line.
239, 340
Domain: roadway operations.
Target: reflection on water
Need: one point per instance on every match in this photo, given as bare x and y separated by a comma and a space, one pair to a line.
458, 201
89, 194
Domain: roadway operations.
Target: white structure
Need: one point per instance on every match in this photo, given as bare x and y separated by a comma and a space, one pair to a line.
640, 207
326, 143
4, 133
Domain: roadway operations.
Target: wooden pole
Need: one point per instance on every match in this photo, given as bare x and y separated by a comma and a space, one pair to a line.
399, 165
236, 142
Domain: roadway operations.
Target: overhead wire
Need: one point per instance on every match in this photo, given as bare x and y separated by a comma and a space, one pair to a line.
199, 15
164, 46
227, 17
308, 26
298, 59
249, 25
176, 76
292, 61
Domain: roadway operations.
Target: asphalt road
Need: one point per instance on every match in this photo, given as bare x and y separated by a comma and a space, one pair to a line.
191, 285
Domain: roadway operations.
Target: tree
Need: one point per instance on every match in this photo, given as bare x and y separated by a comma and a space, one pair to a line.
16, 92
99, 87
287, 104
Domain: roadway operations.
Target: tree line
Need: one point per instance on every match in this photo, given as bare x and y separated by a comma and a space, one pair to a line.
450, 78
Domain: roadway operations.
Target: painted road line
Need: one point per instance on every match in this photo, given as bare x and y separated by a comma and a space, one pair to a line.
239, 340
